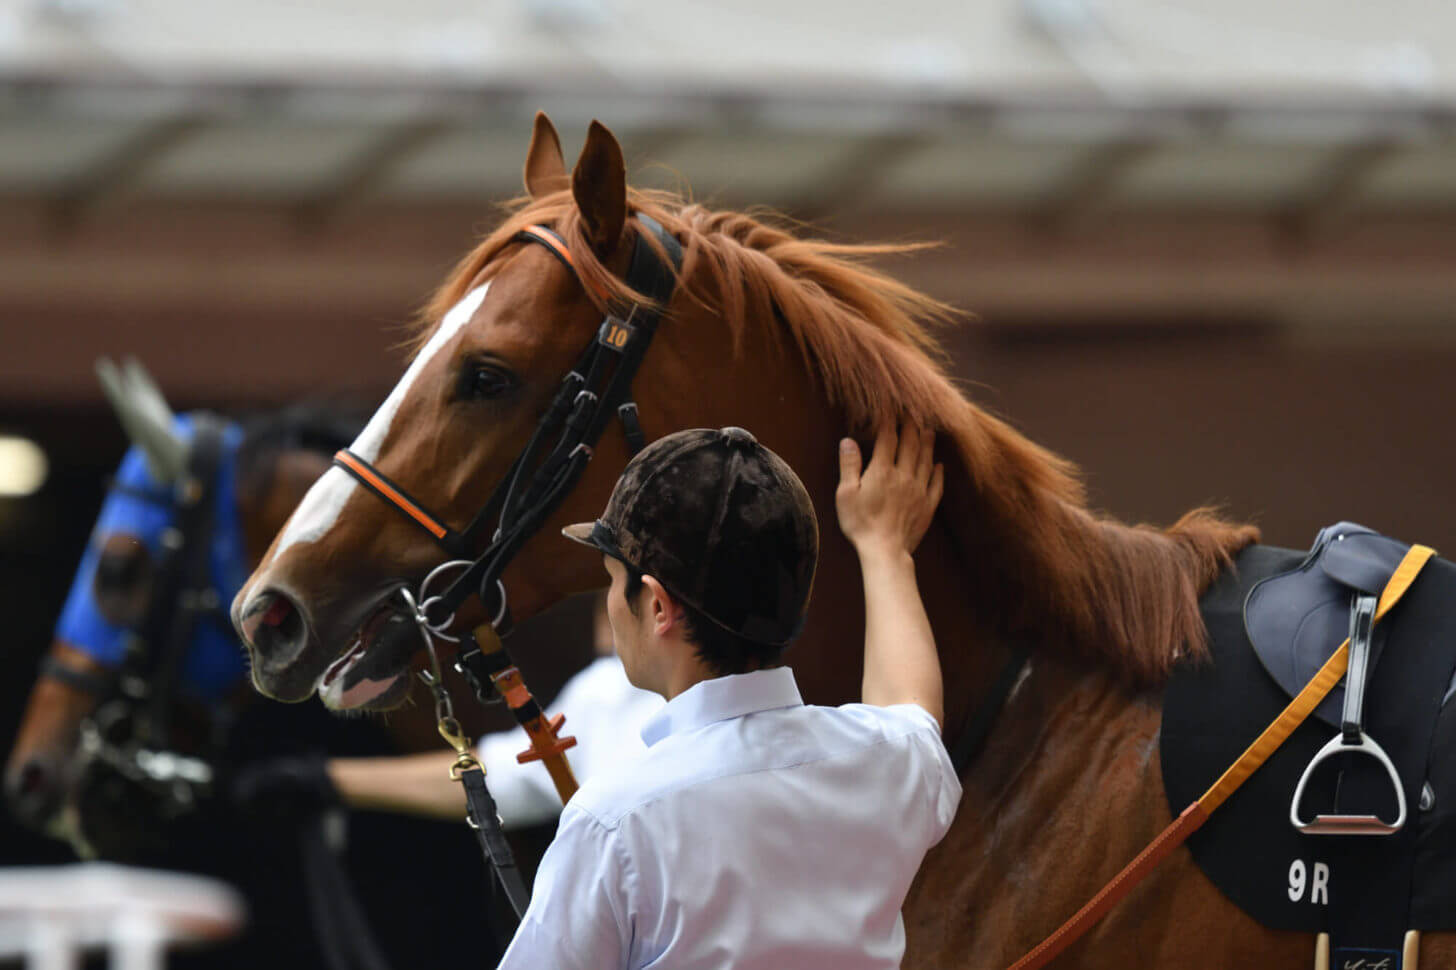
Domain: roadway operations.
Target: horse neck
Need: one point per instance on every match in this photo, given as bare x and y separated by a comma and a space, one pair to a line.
1012, 565
1014, 558
804, 427
1058, 578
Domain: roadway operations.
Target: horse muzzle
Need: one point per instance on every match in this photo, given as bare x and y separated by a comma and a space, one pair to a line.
291, 662
284, 651
35, 787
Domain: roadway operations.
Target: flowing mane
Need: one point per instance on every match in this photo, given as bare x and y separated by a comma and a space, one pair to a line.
1052, 573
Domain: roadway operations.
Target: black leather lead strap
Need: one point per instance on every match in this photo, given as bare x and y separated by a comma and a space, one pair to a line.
973, 736
1362, 626
479, 667
485, 821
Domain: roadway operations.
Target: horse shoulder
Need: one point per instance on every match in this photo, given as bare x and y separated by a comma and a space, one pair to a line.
1068, 790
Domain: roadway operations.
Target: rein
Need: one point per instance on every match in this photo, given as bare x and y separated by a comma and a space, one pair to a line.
1192, 818
596, 391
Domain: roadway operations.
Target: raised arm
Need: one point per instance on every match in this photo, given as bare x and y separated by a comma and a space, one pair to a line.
884, 511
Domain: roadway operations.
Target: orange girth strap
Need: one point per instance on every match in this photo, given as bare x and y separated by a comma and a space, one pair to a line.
1255, 755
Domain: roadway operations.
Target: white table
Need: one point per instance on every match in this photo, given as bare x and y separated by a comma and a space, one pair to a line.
49, 916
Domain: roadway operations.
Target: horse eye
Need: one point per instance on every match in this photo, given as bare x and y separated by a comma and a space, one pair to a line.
486, 381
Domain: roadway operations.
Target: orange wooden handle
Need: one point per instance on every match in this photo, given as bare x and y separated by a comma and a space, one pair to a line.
549, 749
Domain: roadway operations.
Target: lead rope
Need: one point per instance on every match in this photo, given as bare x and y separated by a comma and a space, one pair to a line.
481, 814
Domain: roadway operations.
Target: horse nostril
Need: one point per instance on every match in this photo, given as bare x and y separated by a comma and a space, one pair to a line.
32, 778
274, 626
31, 793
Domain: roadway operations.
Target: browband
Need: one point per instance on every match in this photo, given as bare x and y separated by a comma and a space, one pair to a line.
588, 398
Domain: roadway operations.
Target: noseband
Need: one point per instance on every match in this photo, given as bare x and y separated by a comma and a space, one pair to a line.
596, 390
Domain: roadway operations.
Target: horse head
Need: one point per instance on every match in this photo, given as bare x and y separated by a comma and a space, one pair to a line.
118, 598
322, 612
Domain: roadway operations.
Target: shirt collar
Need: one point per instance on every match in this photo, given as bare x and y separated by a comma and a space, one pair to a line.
722, 699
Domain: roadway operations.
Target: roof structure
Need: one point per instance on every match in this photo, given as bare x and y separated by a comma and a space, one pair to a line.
1225, 159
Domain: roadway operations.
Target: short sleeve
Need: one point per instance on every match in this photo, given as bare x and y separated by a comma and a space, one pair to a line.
578, 912
933, 765
944, 787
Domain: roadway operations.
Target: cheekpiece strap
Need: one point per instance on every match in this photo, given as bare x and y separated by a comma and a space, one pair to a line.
597, 390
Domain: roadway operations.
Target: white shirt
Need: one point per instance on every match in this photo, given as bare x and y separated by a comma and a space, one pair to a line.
605, 714
756, 833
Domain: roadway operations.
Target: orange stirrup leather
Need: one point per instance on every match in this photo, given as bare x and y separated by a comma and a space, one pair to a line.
1255, 755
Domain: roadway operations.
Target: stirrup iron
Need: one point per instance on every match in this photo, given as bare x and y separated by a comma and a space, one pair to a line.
1352, 739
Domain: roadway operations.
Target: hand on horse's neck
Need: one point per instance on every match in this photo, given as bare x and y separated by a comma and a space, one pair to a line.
971, 654
828, 659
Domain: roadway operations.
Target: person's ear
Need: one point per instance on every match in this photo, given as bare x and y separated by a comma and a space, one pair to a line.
664, 611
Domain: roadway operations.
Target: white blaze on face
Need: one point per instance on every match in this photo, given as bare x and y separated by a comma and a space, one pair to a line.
320, 508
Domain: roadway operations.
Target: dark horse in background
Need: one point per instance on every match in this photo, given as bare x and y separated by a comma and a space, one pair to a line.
121, 605
802, 343
68, 774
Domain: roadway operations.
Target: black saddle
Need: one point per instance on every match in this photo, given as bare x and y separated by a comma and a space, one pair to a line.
1297, 619
1273, 621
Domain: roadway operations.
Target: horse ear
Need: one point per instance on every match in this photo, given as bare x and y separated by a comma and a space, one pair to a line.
599, 185
145, 416
545, 165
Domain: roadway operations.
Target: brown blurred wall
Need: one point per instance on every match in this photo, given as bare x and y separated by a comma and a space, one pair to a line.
1178, 359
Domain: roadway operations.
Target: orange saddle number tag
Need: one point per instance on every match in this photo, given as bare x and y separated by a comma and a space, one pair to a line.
616, 334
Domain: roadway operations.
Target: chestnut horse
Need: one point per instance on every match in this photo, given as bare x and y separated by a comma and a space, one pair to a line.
800, 342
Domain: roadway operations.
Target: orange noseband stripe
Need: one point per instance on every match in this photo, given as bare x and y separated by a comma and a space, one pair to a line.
388, 491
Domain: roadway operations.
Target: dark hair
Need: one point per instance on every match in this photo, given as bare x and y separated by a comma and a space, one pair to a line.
323, 428
723, 651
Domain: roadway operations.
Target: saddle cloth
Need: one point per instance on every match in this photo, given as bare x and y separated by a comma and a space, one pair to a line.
1272, 621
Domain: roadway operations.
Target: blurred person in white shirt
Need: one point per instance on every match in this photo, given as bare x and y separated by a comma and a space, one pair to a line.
604, 712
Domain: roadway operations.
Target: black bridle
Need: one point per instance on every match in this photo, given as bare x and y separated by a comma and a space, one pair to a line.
597, 390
